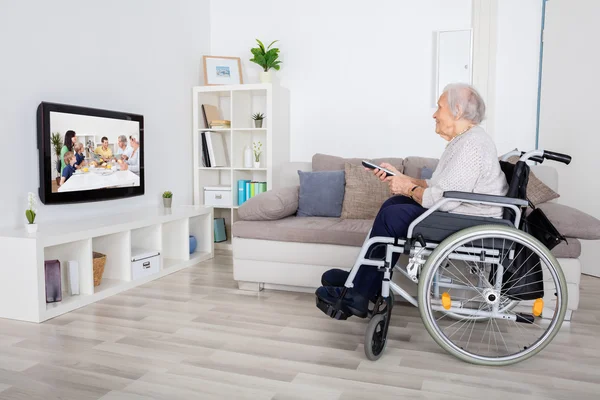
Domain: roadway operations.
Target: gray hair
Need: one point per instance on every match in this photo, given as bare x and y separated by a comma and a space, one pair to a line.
123, 139
466, 98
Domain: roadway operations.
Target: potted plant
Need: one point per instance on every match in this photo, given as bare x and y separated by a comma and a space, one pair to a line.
267, 58
167, 199
57, 142
258, 119
257, 152
30, 214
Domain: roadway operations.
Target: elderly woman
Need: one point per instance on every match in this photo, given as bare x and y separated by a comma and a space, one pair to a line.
133, 162
468, 164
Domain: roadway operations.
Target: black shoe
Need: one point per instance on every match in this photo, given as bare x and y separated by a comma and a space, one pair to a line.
334, 277
337, 277
352, 301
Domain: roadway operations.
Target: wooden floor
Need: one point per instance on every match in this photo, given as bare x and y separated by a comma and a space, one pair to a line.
193, 335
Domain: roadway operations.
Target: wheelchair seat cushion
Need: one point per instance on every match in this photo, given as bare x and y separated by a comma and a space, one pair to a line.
439, 225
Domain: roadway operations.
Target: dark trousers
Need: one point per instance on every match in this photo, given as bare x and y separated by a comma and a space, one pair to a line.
393, 219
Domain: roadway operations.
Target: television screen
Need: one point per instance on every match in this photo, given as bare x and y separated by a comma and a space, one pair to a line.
89, 154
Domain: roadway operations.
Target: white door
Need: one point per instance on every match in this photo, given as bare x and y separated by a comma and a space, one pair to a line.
570, 107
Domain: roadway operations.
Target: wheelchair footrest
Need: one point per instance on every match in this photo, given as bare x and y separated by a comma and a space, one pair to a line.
332, 311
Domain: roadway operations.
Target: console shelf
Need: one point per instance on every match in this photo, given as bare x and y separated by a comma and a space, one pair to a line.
22, 279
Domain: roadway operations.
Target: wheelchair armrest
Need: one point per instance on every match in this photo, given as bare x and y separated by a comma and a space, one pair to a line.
490, 198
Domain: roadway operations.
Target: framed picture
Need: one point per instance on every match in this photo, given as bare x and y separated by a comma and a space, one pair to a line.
222, 70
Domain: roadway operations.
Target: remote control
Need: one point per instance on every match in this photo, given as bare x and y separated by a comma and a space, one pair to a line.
370, 165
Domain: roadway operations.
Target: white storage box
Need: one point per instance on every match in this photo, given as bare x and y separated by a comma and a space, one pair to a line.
217, 196
144, 262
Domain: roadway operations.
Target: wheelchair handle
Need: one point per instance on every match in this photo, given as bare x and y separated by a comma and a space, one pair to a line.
538, 159
563, 158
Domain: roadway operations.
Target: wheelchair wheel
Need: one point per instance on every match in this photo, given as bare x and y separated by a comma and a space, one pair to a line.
461, 279
375, 337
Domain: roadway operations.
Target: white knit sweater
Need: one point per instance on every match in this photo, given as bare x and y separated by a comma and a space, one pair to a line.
469, 164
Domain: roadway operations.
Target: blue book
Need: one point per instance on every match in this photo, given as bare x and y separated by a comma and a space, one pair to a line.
241, 191
247, 190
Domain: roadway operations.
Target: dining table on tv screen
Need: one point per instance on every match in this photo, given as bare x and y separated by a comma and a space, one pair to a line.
100, 178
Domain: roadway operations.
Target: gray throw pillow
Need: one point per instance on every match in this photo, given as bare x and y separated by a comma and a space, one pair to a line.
321, 193
426, 173
272, 205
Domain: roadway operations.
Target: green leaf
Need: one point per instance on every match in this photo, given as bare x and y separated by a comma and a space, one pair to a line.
30, 216
274, 41
262, 46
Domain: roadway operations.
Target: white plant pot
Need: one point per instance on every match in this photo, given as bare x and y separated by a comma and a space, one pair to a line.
266, 77
256, 164
31, 228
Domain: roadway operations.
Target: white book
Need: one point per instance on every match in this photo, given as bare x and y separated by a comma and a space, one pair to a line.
217, 149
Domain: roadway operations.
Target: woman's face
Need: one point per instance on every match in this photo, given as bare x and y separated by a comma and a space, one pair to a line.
444, 120
74, 139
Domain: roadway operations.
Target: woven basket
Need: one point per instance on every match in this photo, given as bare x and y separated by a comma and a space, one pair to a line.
99, 263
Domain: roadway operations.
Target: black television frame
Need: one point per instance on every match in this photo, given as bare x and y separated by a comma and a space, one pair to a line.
46, 151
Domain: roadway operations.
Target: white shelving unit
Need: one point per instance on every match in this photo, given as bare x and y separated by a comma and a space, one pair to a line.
22, 277
238, 103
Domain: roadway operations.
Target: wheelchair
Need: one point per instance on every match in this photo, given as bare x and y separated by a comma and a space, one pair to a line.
489, 290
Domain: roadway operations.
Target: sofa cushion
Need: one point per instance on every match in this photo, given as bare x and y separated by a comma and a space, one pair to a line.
537, 191
272, 205
414, 165
306, 230
325, 162
344, 232
570, 249
572, 222
321, 193
364, 193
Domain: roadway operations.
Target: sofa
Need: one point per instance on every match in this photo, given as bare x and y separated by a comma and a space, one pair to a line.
275, 248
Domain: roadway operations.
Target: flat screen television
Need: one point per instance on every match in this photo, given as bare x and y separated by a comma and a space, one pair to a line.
88, 154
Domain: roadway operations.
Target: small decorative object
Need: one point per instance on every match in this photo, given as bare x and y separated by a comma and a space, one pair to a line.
30, 214
220, 232
258, 119
257, 153
57, 142
247, 157
53, 282
267, 58
167, 199
193, 243
222, 70
73, 273
99, 261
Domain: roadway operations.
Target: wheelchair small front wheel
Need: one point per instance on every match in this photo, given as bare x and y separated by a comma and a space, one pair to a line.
375, 337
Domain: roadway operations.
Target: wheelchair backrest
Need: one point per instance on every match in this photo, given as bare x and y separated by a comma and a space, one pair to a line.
517, 177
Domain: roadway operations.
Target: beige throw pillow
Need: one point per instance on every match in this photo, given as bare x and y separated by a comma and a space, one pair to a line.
364, 193
537, 191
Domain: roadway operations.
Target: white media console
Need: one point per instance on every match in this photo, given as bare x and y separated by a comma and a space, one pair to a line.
22, 276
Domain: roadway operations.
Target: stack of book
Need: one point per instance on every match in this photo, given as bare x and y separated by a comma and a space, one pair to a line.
248, 189
220, 124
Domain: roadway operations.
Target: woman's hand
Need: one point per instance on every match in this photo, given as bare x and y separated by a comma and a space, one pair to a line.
400, 184
382, 175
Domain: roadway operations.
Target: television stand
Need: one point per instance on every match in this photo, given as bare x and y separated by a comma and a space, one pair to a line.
22, 276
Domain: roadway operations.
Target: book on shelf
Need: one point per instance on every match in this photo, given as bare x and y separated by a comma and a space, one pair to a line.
248, 189
214, 150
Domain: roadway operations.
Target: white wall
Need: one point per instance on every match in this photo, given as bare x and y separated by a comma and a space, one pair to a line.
135, 56
517, 67
569, 107
360, 74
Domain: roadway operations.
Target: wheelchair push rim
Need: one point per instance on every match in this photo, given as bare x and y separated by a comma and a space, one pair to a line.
473, 289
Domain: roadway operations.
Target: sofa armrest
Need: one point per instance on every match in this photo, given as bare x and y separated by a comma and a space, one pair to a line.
272, 205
